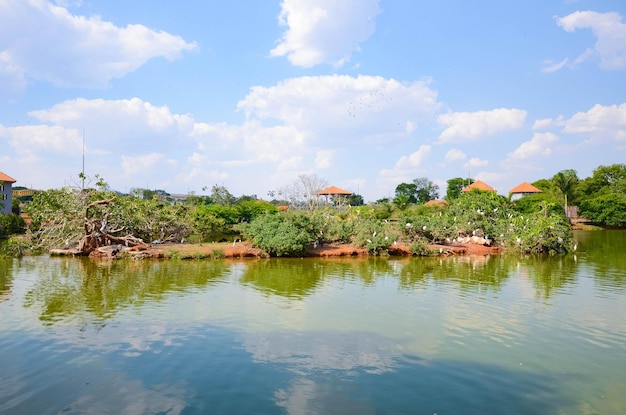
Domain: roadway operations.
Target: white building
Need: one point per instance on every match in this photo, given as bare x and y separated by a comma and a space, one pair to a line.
6, 193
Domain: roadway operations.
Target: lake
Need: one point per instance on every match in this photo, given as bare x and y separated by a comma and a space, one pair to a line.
462, 335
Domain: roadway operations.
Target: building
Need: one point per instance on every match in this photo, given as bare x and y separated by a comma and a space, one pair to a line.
6, 193
478, 185
523, 189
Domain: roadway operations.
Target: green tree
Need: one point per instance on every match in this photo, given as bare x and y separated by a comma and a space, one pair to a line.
405, 194
425, 190
221, 196
566, 181
605, 179
356, 200
454, 188
607, 209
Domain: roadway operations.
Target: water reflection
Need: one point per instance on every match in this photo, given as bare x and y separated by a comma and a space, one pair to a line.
71, 286
6, 279
550, 275
604, 251
468, 272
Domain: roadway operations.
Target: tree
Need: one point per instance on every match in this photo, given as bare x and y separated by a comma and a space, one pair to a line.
425, 190
356, 200
454, 188
221, 196
566, 181
303, 191
605, 179
405, 194
607, 209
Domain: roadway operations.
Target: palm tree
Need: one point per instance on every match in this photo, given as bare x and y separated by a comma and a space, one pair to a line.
566, 181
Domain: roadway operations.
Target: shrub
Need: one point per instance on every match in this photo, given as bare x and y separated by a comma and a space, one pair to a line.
286, 234
10, 224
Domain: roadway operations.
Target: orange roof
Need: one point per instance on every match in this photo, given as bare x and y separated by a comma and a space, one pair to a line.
333, 190
6, 179
478, 185
525, 187
436, 202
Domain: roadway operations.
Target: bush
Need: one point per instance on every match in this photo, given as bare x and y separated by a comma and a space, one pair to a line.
285, 234
10, 224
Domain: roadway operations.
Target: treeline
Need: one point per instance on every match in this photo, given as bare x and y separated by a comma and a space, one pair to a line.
59, 218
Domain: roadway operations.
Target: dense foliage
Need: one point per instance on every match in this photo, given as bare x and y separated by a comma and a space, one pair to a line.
532, 224
11, 223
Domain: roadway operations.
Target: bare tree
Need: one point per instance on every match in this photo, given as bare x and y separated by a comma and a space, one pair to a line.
303, 192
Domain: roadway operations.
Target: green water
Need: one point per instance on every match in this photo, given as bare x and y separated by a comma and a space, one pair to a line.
464, 335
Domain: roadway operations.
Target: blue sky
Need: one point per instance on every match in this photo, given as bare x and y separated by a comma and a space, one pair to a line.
365, 94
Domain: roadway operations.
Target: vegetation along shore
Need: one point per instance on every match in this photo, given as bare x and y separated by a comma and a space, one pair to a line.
100, 222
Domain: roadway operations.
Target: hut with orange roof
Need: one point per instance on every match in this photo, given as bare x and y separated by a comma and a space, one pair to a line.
339, 196
478, 185
523, 189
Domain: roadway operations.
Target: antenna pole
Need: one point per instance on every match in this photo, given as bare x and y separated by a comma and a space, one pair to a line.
83, 178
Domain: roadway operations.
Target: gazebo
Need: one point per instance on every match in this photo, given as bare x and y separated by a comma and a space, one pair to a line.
335, 191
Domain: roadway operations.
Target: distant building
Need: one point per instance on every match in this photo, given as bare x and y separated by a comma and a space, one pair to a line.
478, 185
436, 202
6, 192
523, 189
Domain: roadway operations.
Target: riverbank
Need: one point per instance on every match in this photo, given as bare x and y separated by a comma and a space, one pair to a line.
246, 250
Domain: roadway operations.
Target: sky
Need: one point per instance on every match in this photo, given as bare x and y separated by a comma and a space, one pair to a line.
363, 94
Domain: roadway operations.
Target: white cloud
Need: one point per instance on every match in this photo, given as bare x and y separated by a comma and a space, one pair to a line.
42, 139
473, 125
609, 31
454, 155
601, 122
405, 168
549, 66
119, 124
544, 124
475, 163
144, 162
324, 159
324, 31
42, 41
538, 146
357, 109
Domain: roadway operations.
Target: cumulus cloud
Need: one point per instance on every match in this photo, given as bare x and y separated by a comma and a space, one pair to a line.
356, 109
405, 167
538, 146
600, 122
474, 125
324, 31
610, 33
324, 159
475, 163
120, 124
133, 165
43, 41
454, 155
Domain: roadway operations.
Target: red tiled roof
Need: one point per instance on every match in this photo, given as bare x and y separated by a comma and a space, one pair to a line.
436, 203
6, 179
478, 185
525, 187
333, 190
